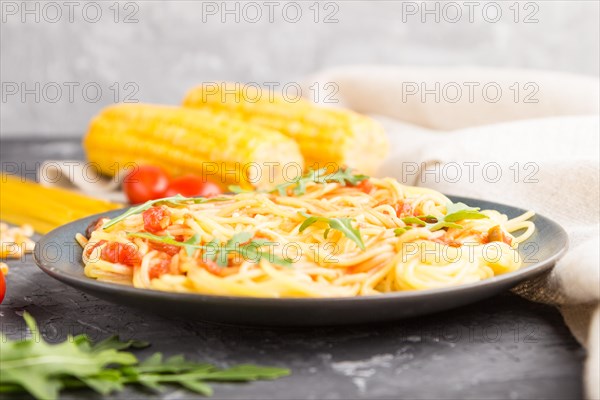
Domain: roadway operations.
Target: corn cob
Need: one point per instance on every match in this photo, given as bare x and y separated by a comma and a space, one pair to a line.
183, 140
44, 208
324, 135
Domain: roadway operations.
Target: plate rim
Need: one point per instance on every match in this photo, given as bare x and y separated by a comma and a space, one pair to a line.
95, 285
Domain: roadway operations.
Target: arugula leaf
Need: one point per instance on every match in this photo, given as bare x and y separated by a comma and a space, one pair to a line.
401, 231
240, 238
239, 243
197, 387
460, 211
42, 369
174, 364
343, 225
105, 382
282, 261
454, 212
154, 371
414, 221
156, 238
251, 250
245, 373
343, 176
113, 342
38, 367
189, 245
238, 189
242, 244
177, 200
442, 225
139, 209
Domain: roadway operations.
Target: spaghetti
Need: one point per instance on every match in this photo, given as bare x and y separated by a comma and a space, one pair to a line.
320, 236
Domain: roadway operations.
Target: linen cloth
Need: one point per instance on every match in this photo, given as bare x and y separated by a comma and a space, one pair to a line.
541, 136
555, 142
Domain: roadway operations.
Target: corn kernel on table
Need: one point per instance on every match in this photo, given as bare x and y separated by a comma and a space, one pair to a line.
504, 347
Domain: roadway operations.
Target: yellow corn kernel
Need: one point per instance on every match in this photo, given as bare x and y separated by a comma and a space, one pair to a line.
325, 135
183, 140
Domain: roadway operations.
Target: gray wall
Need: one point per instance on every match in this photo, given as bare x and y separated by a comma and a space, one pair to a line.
168, 47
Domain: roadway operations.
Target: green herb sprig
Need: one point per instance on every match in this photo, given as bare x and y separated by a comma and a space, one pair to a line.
238, 189
454, 212
189, 245
43, 369
343, 225
343, 176
243, 244
176, 200
240, 243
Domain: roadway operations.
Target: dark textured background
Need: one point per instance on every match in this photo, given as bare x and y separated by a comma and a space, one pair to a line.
504, 347
170, 48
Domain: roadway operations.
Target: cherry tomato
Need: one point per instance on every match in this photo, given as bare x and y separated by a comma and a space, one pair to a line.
156, 219
403, 209
211, 267
193, 186
161, 266
145, 183
169, 249
365, 186
98, 243
121, 253
2, 287
447, 242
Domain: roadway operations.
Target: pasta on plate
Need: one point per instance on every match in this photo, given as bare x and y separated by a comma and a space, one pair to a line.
324, 234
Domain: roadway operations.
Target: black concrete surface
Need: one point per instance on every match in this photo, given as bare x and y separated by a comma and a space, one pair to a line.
504, 347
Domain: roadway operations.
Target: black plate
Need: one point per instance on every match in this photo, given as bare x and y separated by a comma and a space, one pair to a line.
59, 255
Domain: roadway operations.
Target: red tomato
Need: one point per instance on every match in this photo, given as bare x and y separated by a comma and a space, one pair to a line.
170, 249
211, 267
403, 209
98, 243
193, 186
162, 266
2, 287
447, 242
121, 253
156, 219
145, 183
365, 186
